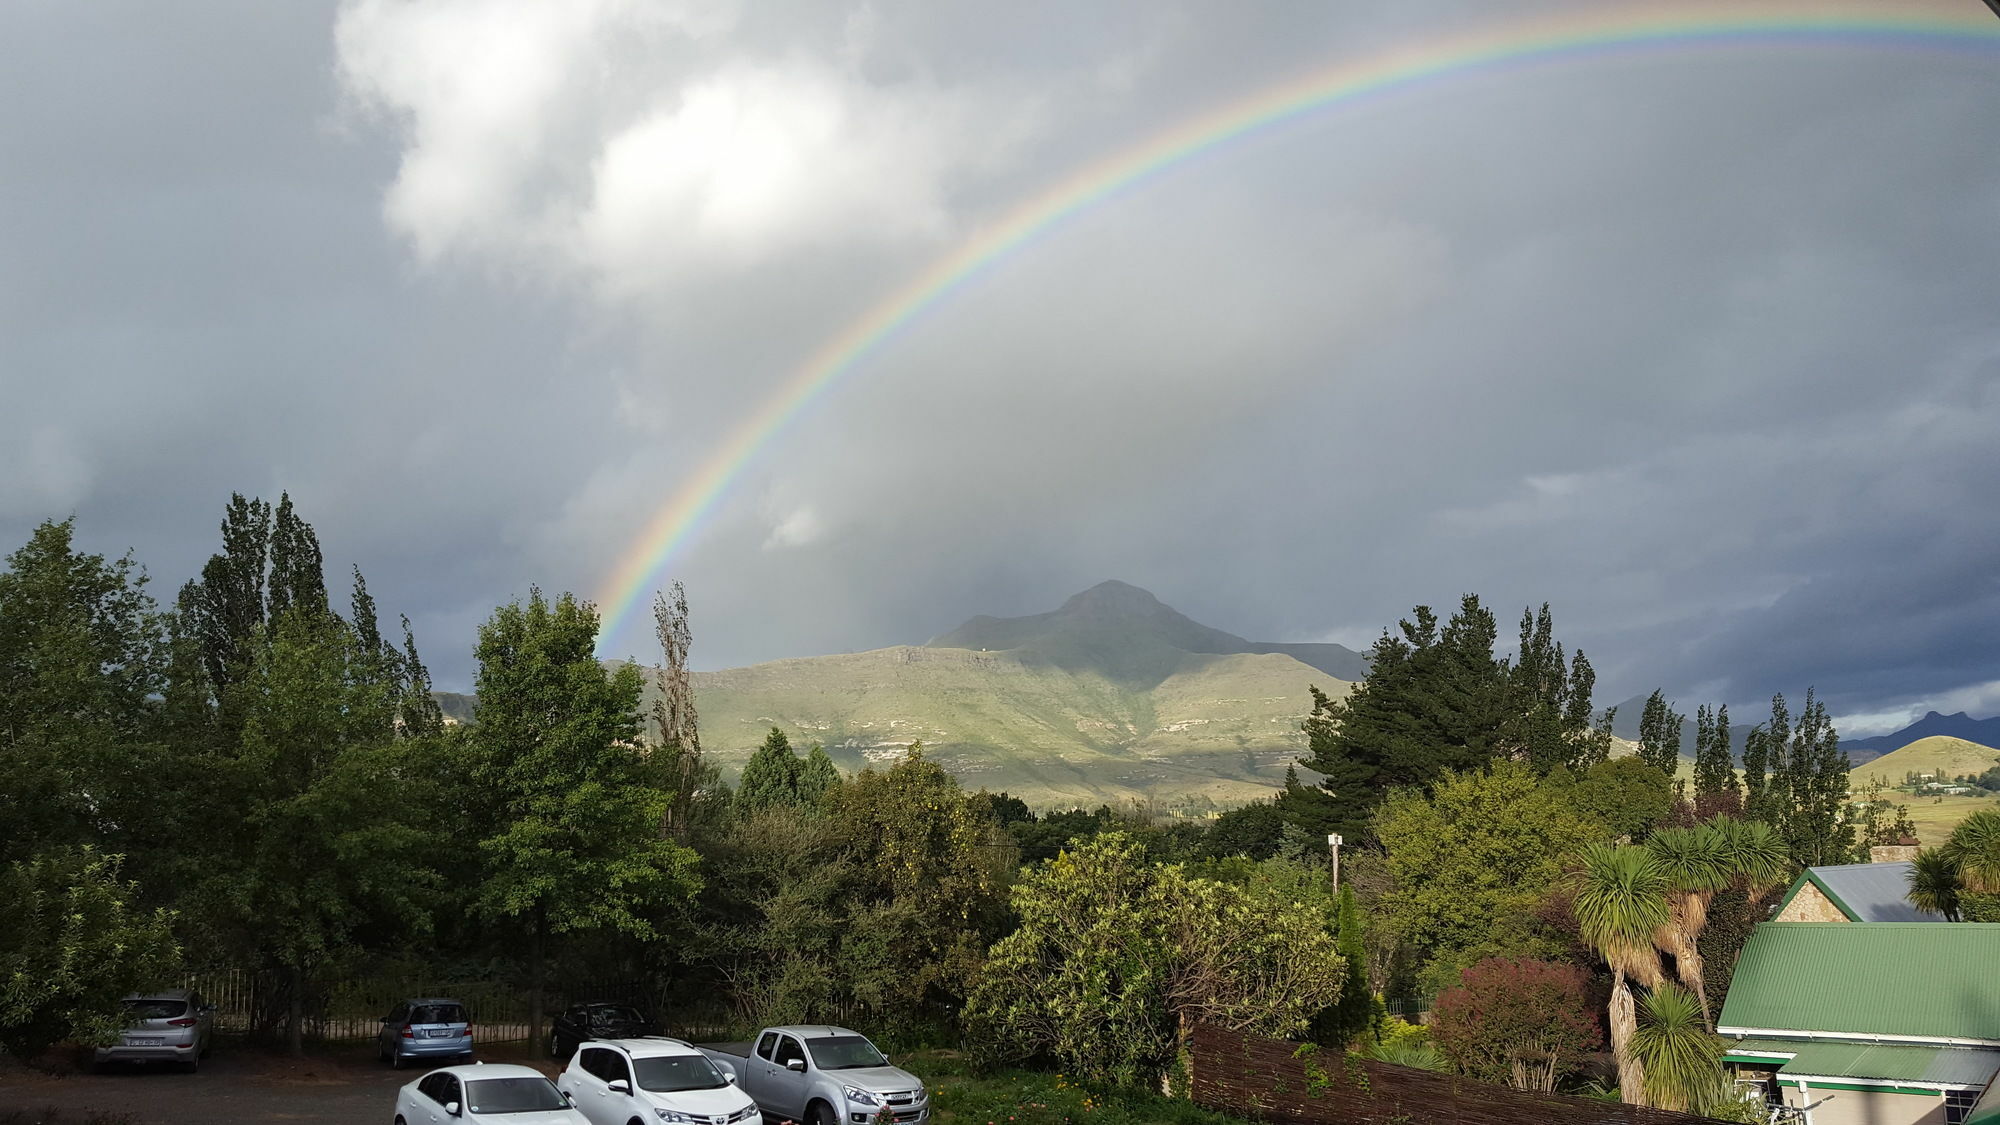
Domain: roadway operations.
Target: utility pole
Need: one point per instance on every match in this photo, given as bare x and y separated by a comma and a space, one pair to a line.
1333, 838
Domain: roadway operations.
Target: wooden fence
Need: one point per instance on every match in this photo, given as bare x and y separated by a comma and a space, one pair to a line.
1272, 1080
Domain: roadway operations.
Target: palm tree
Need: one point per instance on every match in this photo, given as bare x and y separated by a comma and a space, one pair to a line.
1683, 1061
1620, 903
1696, 864
1934, 883
1758, 861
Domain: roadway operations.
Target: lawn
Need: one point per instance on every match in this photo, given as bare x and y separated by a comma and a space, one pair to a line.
1935, 817
1028, 1097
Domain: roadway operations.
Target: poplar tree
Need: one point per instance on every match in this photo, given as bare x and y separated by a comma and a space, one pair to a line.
676, 726
1714, 766
1549, 720
1660, 735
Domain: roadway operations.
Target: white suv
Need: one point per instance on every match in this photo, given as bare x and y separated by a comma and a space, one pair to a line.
652, 1082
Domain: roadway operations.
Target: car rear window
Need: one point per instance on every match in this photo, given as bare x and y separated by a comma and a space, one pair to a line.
437, 1013
618, 1012
155, 1009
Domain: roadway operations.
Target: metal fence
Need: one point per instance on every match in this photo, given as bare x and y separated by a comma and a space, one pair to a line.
1272, 1080
250, 1002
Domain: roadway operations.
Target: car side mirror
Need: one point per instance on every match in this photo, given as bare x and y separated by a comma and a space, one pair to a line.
451, 1109
798, 1065
730, 1079
619, 1086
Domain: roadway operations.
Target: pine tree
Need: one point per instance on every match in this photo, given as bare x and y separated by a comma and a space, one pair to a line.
1660, 736
1549, 722
816, 775
1353, 1015
771, 776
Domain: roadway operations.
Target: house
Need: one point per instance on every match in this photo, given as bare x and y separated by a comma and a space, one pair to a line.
1892, 1023
1853, 892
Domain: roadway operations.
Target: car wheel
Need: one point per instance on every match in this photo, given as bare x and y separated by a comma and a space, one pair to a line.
192, 1064
395, 1060
819, 1113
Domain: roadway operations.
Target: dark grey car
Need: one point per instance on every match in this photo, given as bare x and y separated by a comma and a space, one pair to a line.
169, 1026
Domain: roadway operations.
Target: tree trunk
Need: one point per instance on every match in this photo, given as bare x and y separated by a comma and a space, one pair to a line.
1624, 1023
295, 1011
536, 1047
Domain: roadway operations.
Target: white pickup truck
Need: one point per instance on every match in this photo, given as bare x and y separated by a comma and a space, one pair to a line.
822, 1075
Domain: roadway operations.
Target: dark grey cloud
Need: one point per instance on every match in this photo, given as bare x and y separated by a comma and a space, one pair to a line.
1697, 346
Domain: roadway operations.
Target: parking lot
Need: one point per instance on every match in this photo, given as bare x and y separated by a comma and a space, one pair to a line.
341, 1085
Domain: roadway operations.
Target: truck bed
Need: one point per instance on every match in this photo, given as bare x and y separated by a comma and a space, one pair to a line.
739, 1050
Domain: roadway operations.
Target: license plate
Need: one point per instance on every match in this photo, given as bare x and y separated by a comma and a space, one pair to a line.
143, 1040
441, 1033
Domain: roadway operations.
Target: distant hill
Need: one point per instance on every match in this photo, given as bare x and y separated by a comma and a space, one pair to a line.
1985, 731
1938, 756
1120, 631
1625, 724
1110, 697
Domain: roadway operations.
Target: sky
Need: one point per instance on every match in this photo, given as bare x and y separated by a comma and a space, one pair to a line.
1698, 346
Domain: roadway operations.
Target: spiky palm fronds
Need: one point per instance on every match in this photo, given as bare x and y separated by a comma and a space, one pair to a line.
1757, 856
1974, 848
1419, 1053
1934, 883
1683, 1061
1620, 902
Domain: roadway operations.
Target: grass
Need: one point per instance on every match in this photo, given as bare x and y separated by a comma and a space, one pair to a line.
1939, 756
1935, 817
1029, 1097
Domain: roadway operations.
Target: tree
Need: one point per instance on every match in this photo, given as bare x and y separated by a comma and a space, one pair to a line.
1620, 904
1432, 702
676, 726
1660, 735
72, 943
1523, 1022
1472, 863
575, 842
817, 775
1683, 1062
1960, 879
1251, 830
1696, 864
1353, 1014
1815, 825
1115, 956
1714, 763
82, 652
1549, 723
771, 776
1626, 795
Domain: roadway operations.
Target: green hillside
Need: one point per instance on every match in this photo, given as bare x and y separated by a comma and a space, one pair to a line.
1938, 757
1219, 726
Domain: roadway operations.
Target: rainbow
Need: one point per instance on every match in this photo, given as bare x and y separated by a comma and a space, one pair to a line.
1673, 27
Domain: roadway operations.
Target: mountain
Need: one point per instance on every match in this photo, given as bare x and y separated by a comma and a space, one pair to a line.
1932, 725
1120, 631
1625, 724
1112, 696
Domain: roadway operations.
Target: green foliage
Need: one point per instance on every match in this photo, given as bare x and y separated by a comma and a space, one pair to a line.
1620, 901
1683, 1061
1253, 830
72, 943
1960, 879
1353, 1015
1432, 703
771, 778
575, 840
1548, 720
1113, 955
1660, 735
817, 775
1472, 863
1024, 1097
1714, 764
1626, 795
1799, 786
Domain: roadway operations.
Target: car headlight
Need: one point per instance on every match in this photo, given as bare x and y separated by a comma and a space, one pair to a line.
859, 1096
674, 1116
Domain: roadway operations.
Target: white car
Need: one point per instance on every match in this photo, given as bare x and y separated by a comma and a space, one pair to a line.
466, 1095
652, 1082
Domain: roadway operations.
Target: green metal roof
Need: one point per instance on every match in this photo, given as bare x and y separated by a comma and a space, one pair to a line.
1951, 1066
1911, 979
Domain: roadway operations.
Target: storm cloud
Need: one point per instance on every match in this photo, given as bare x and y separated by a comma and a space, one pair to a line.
1699, 346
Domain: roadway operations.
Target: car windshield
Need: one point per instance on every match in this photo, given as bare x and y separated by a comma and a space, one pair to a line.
666, 1074
845, 1052
512, 1095
155, 1009
612, 1013
437, 1013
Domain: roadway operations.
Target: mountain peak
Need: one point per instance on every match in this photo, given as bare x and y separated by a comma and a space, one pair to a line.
1112, 597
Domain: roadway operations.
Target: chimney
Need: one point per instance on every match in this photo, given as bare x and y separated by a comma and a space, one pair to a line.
1902, 851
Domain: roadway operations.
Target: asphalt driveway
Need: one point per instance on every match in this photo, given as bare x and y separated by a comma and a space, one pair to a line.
337, 1086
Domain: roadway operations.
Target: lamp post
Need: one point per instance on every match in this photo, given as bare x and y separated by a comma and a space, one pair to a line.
1333, 838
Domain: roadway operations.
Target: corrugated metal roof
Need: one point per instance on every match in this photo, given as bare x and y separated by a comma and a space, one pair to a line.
1884, 979
1962, 1066
1871, 892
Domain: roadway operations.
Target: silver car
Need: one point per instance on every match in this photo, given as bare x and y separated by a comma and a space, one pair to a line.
170, 1026
425, 1029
